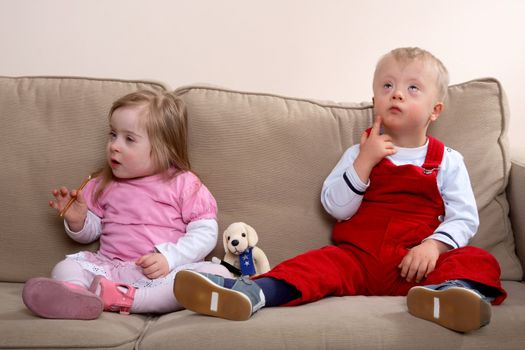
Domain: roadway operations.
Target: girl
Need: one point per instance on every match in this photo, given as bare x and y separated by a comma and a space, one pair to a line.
152, 215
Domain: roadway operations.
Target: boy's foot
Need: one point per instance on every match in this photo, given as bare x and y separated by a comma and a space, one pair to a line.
205, 293
456, 308
50, 298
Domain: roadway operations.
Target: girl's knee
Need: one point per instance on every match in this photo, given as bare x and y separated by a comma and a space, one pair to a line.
69, 270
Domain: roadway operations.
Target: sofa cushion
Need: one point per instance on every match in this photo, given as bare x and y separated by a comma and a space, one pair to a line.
20, 329
516, 193
352, 322
265, 157
53, 133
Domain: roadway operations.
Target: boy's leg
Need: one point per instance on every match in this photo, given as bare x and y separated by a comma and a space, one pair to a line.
328, 271
277, 292
459, 291
454, 304
214, 295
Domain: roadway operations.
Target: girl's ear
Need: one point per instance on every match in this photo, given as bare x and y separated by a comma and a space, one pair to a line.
436, 111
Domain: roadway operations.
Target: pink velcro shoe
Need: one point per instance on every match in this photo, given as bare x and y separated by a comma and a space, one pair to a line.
50, 298
117, 297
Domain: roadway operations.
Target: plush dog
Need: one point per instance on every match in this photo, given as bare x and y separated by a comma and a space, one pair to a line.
240, 242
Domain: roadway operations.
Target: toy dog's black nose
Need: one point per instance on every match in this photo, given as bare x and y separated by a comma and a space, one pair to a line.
235, 242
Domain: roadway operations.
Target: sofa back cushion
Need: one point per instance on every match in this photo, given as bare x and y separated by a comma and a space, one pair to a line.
53, 133
265, 158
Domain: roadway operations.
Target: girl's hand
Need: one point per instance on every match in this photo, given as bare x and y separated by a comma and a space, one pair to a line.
77, 212
373, 148
421, 260
154, 265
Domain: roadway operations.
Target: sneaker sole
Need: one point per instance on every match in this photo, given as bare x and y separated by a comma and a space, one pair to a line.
50, 298
197, 293
455, 308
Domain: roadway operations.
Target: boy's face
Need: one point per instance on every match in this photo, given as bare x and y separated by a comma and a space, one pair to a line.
129, 148
405, 96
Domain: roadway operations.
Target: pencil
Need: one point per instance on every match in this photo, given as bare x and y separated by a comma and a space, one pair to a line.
71, 200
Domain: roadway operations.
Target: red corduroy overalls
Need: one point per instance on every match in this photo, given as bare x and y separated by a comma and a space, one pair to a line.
401, 207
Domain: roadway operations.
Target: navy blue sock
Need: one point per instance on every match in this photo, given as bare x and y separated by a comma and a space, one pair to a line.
229, 282
276, 292
489, 293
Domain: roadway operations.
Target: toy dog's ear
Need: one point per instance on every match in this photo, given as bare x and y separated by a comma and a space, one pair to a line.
225, 240
252, 235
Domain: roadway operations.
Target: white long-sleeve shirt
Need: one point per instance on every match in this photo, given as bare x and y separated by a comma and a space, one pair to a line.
461, 220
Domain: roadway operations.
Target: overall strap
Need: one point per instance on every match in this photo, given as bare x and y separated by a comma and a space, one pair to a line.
434, 156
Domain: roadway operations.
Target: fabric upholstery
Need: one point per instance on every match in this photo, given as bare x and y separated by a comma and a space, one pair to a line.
265, 157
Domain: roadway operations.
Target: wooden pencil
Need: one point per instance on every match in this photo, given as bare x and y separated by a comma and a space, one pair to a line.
71, 200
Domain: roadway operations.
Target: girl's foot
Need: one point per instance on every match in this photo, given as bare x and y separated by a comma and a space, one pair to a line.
49, 298
117, 297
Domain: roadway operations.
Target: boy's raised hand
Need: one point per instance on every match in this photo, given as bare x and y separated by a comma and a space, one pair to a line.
373, 148
77, 212
376, 146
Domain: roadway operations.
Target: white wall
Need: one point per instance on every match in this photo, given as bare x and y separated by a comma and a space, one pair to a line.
325, 49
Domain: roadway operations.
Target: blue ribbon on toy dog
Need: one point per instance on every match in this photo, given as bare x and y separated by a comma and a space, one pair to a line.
246, 262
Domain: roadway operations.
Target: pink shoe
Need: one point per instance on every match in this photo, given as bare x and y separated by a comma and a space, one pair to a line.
51, 298
113, 297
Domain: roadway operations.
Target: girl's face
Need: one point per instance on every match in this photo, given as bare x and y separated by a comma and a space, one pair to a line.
129, 148
405, 96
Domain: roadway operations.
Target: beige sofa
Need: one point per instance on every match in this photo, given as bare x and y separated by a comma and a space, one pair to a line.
265, 158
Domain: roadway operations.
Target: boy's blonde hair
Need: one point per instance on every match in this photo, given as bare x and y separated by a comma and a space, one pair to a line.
165, 121
407, 54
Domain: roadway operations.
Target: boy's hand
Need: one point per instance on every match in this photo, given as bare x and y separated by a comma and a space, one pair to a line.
373, 148
421, 260
77, 212
154, 265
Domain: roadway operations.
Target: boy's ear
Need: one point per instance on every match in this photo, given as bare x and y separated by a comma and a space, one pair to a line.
436, 111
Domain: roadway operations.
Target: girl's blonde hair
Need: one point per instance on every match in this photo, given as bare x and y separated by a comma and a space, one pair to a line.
166, 123
407, 54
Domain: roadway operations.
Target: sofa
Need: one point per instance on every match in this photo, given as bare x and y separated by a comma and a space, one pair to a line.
264, 157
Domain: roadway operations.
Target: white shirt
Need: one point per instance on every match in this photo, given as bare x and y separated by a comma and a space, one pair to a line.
461, 218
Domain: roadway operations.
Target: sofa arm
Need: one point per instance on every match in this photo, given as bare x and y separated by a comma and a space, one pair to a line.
516, 197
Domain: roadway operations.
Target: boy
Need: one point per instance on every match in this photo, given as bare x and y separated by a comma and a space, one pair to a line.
406, 212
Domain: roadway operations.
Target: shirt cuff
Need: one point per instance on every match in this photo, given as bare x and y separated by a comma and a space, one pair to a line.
445, 238
353, 181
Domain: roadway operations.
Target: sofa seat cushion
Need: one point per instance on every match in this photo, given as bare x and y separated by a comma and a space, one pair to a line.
21, 329
335, 322
353, 322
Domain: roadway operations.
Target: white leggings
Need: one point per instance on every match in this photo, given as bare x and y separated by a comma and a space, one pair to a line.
157, 299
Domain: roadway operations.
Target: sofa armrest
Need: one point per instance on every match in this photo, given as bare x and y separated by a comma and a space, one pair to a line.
516, 197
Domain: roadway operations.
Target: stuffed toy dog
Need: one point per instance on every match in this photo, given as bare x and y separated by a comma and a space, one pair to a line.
240, 242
